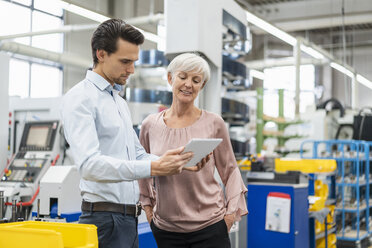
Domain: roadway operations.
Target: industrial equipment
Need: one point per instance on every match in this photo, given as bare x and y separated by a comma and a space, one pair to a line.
60, 194
278, 215
20, 179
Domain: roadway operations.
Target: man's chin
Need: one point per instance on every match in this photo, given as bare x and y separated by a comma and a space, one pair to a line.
121, 82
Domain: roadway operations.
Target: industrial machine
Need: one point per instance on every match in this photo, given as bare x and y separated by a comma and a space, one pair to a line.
60, 196
20, 179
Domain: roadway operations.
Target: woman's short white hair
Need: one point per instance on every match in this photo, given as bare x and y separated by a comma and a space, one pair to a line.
189, 62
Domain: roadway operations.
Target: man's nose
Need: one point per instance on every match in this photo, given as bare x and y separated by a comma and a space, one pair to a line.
130, 68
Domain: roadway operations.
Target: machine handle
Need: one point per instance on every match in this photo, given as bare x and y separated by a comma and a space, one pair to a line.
29, 203
55, 160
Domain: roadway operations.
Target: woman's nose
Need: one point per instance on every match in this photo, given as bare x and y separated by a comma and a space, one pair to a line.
188, 83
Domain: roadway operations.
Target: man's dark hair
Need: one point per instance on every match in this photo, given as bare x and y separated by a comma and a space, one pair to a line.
106, 36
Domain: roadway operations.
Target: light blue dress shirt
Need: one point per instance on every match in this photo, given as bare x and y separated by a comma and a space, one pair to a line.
104, 145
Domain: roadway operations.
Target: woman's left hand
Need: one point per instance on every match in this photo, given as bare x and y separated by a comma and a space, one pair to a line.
199, 165
229, 220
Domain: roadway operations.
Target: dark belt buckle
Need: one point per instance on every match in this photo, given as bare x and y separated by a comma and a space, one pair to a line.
138, 209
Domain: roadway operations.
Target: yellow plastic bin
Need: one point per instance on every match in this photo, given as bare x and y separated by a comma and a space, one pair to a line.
37, 234
305, 165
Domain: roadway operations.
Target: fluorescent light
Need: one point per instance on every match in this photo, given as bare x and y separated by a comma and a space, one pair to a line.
342, 69
257, 74
151, 37
364, 81
349, 73
312, 52
83, 12
101, 18
271, 29
264, 25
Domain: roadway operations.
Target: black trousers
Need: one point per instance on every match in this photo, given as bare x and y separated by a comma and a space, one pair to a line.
115, 230
213, 236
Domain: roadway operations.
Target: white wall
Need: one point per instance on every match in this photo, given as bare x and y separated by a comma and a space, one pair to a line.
4, 108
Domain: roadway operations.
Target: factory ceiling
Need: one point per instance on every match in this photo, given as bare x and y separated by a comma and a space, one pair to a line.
295, 15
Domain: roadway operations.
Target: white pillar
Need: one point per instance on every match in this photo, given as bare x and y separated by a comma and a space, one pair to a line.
211, 94
297, 56
4, 108
354, 93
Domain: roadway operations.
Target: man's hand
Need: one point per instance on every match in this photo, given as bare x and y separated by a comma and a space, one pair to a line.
170, 163
149, 213
199, 165
229, 220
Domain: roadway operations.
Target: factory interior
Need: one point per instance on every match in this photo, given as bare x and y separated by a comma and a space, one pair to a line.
291, 80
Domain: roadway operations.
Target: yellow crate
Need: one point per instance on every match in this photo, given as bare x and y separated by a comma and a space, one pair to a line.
332, 240
305, 165
321, 189
37, 234
318, 205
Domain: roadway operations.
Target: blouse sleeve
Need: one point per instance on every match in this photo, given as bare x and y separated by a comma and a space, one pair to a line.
229, 172
146, 185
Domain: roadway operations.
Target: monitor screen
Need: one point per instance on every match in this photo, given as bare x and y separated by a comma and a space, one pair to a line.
38, 136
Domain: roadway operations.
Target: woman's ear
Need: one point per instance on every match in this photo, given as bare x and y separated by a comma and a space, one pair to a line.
204, 84
169, 78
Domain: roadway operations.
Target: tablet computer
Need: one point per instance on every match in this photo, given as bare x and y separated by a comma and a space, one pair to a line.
201, 148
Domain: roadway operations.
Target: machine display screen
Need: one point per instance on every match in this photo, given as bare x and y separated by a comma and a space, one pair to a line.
38, 136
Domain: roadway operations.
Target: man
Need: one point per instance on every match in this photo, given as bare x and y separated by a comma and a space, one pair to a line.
104, 145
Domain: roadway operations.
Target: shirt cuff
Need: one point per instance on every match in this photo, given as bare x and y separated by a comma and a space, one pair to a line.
143, 169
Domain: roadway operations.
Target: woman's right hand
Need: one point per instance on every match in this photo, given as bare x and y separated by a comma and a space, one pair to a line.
148, 212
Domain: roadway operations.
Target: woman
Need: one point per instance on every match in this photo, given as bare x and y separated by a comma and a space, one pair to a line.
189, 209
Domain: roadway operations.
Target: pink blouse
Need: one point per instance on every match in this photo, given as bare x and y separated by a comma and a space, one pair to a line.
191, 201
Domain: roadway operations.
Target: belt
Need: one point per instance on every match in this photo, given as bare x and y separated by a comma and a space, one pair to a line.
127, 209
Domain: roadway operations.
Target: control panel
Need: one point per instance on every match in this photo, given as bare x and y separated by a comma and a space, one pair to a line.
23, 170
34, 152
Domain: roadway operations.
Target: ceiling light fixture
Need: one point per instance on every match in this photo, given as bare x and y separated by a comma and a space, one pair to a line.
101, 18
271, 29
364, 81
83, 12
257, 74
342, 69
312, 52
264, 25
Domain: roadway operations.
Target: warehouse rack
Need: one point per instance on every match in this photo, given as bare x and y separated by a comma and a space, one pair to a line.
281, 122
352, 186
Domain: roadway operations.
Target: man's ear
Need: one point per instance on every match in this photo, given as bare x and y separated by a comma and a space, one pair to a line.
101, 54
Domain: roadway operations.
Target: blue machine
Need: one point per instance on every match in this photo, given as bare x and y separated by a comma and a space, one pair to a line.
257, 236
145, 237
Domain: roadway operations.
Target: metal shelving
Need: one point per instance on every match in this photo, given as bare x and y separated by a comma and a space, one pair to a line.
352, 185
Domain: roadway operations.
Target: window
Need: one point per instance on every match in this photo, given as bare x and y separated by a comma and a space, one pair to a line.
19, 87
284, 78
30, 77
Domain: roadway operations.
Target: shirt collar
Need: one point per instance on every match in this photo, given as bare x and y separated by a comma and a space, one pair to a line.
100, 82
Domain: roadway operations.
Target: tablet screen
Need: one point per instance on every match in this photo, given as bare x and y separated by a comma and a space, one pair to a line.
201, 148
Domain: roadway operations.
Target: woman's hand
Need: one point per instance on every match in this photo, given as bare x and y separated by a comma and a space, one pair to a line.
199, 165
229, 220
149, 213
